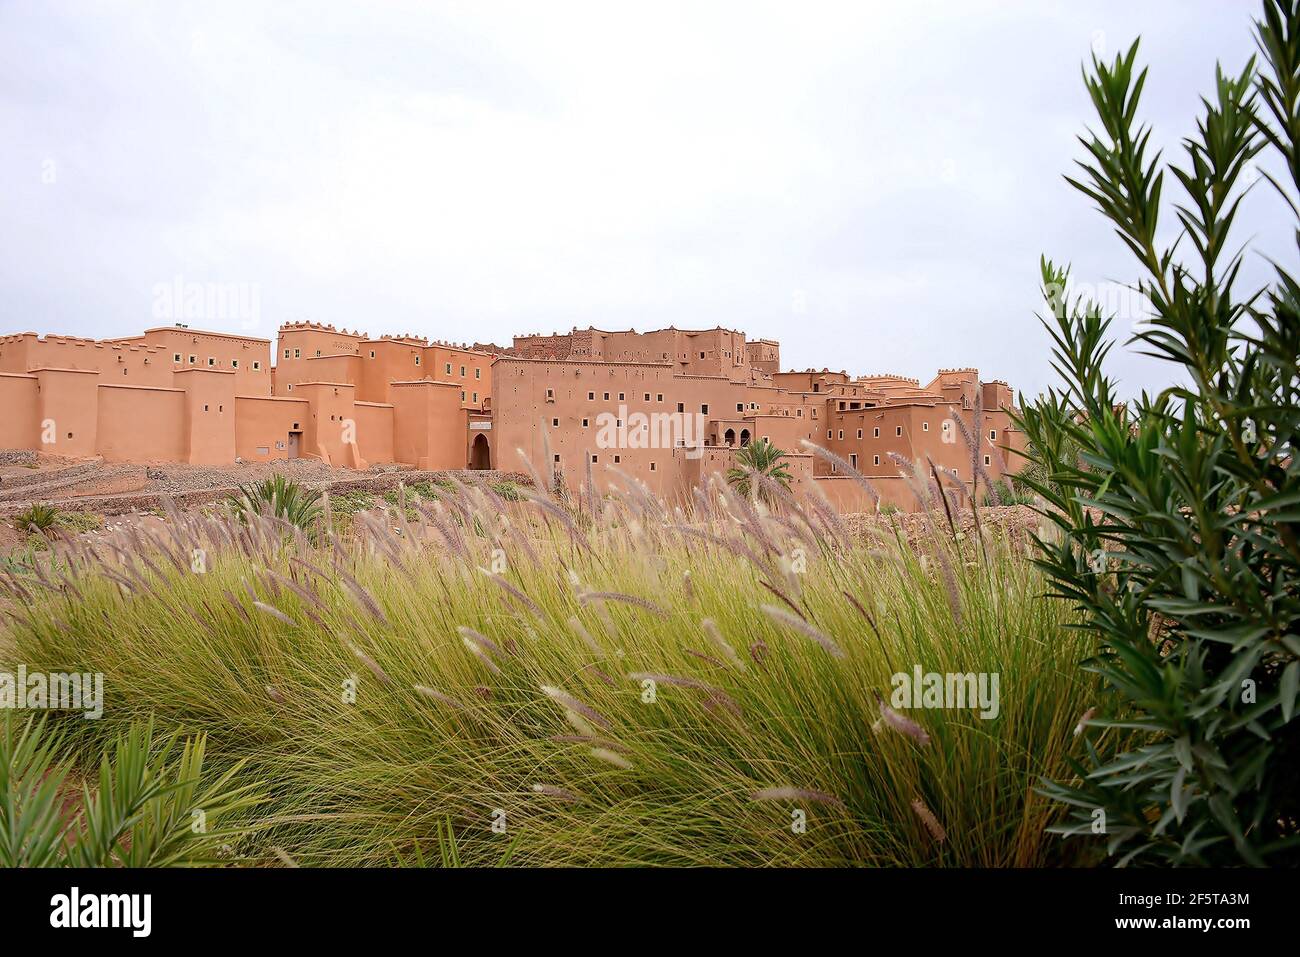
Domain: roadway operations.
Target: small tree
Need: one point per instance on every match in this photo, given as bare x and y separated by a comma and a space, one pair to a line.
758, 458
1179, 514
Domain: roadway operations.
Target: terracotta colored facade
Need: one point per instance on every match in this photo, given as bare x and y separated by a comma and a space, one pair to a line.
552, 394
666, 407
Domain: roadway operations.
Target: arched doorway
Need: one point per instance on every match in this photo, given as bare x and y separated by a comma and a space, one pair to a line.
480, 456
744, 437
729, 437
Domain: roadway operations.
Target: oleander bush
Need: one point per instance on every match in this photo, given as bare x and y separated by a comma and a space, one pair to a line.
1177, 516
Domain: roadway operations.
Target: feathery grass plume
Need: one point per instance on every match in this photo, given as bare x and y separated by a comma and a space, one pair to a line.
1083, 721
514, 593
688, 585
943, 497
606, 679
364, 598
438, 696
758, 651
593, 740
371, 664
274, 613
901, 724
601, 596
788, 793
874, 630
239, 606
581, 631
844, 467
549, 508
663, 679
763, 583
930, 821
977, 465
481, 655
284, 857
707, 659
550, 790
570, 703
916, 479
539, 483
480, 639
715, 635
274, 694
610, 757
799, 624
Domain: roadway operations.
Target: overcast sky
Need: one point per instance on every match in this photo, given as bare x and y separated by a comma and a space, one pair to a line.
870, 183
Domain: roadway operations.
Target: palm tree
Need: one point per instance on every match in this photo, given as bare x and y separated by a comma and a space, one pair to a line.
758, 458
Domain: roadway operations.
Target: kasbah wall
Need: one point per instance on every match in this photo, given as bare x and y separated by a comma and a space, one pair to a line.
667, 408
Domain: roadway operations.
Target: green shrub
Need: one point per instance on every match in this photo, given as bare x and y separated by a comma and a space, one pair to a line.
39, 518
278, 497
140, 810
1178, 515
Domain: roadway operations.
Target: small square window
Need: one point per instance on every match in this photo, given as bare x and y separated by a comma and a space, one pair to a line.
647, 396
176, 357
859, 433
659, 397
256, 365
875, 460
286, 353
993, 435
591, 397
585, 423
194, 360
297, 353
925, 426
652, 467
621, 397
988, 460
841, 434
462, 372
617, 459
448, 368
555, 423
417, 360
704, 409
898, 430
234, 363
478, 373
606, 396
875, 433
